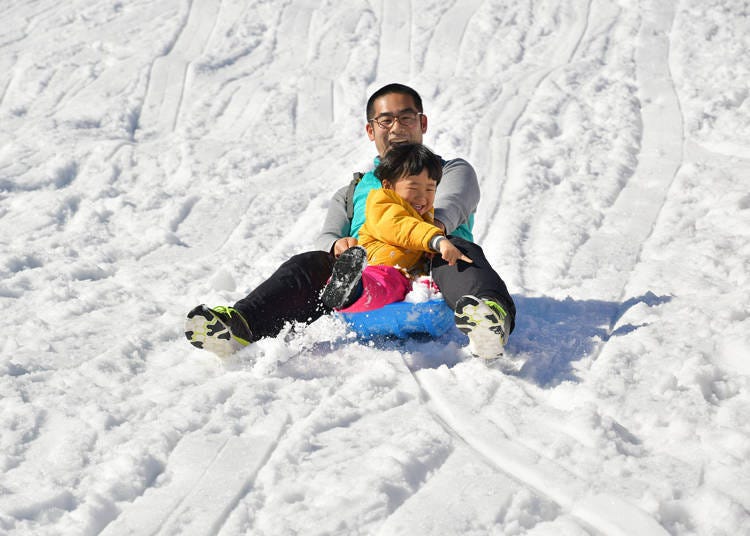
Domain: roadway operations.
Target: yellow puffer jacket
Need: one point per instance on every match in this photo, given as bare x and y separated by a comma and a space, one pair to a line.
394, 233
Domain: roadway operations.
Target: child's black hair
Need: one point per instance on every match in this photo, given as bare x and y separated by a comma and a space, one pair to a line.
409, 159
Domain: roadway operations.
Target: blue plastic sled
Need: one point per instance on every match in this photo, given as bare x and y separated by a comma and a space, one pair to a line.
402, 320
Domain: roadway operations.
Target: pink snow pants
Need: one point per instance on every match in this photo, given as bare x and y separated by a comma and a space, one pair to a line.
381, 285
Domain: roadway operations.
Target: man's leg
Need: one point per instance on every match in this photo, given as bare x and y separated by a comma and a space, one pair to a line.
290, 294
477, 279
482, 305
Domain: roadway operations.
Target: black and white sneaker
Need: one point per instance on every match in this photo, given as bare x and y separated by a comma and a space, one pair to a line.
486, 323
345, 285
221, 330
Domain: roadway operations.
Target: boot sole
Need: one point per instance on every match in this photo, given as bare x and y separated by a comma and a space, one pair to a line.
205, 330
483, 327
347, 272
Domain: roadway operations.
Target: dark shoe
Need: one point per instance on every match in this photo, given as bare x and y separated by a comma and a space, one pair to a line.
345, 285
221, 330
486, 323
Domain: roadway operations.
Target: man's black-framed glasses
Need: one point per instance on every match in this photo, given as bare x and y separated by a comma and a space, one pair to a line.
407, 119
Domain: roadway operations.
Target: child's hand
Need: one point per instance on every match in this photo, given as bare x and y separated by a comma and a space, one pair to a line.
451, 254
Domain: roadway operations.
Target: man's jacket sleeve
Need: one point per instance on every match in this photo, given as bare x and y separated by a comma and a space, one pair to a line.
457, 195
336, 224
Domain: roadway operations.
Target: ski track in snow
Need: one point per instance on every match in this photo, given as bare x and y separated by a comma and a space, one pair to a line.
445, 43
619, 239
512, 104
604, 514
206, 484
169, 80
395, 54
153, 157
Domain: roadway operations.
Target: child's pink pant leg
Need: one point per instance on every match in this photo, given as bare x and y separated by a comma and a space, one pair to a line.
381, 285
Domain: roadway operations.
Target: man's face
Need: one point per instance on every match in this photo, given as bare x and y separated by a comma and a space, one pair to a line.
417, 190
390, 106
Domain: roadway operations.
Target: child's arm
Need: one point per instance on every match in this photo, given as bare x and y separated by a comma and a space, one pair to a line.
391, 222
450, 253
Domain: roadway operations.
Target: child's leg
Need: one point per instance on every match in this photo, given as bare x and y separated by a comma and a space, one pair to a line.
381, 285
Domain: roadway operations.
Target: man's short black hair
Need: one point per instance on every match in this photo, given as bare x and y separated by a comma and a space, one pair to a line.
387, 90
409, 159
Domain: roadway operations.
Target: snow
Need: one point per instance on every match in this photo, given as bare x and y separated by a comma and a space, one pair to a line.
158, 155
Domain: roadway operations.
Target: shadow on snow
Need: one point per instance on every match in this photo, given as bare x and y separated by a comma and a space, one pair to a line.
550, 335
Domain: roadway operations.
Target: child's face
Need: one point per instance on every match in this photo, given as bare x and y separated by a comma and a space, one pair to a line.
417, 190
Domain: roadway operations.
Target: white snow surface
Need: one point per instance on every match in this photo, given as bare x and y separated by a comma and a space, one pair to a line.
158, 155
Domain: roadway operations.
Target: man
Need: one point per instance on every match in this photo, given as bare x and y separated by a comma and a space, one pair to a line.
483, 307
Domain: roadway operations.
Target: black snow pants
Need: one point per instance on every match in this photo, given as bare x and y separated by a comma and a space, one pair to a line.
292, 292
477, 279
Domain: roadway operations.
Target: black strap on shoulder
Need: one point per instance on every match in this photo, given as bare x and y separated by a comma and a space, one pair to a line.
350, 194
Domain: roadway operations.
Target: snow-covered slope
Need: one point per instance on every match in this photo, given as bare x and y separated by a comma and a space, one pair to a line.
157, 155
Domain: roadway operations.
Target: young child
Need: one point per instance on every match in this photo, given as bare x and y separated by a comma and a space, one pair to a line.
397, 236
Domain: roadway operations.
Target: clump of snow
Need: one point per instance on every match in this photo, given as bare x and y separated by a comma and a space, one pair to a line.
423, 289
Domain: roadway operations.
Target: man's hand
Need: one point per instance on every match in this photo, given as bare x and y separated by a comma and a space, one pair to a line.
451, 253
342, 244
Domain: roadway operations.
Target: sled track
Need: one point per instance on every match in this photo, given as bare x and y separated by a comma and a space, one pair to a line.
10, 69
169, 76
395, 43
206, 483
659, 87
510, 106
621, 236
531, 468
445, 42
